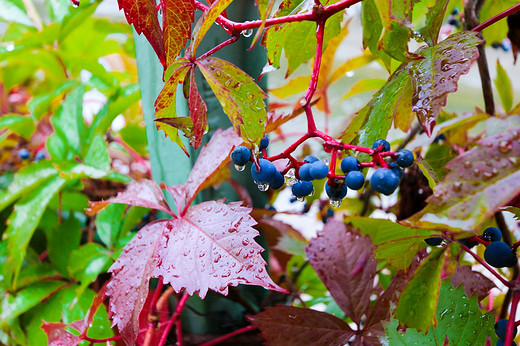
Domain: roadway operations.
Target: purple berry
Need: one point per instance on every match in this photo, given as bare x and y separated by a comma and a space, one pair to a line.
349, 163
319, 170
385, 181
355, 180
240, 155
266, 172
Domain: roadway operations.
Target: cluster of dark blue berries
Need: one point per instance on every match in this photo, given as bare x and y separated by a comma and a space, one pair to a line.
497, 254
24, 154
500, 330
384, 180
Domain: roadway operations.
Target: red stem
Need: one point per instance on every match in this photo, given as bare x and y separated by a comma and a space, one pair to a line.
227, 42
180, 305
112, 338
178, 331
229, 335
153, 312
487, 266
511, 322
496, 18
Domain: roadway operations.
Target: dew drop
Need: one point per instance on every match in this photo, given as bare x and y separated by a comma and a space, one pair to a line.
300, 199
74, 3
476, 171
303, 102
247, 33
350, 74
263, 187
335, 203
245, 241
505, 146
312, 193
488, 175
216, 259
457, 186
467, 164
240, 168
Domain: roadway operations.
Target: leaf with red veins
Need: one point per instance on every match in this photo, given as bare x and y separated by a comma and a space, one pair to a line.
474, 282
344, 261
480, 182
142, 14
57, 335
214, 156
289, 325
198, 112
178, 192
131, 274
144, 193
165, 104
212, 247
435, 76
177, 18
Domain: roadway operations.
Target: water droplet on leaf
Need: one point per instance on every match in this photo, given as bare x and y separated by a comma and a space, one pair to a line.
505, 146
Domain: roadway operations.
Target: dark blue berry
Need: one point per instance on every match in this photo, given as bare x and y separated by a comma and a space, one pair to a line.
24, 153
305, 172
381, 142
468, 243
496, 45
500, 329
492, 234
337, 192
498, 254
39, 156
404, 158
433, 241
266, 173
454, 22
397, 170
277, 181
319, 170
240, 155
302, 188
310, 159
455, 11
385, 181
349, 163
500, 342
264, 143
355, 180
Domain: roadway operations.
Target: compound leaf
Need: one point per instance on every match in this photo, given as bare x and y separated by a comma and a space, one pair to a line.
344, 261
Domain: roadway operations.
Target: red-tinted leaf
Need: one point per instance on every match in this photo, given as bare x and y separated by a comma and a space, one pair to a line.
58, 336
344, 261
198, 112
171, 127
474, 282
213, 157
131, 273
481, 181
177, 18
144, 193
435, 76
206, 21
165, 102
289, 325
142, 14
178, 193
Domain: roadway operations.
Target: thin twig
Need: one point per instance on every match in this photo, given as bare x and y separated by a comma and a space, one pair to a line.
229, 335
180, 305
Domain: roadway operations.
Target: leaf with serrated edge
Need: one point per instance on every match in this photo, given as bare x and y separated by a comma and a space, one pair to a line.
473, 282
434, 19
177, 18
198, 112
344, 261
289, 325
399, 253
57, 335
142, 14
481, 181
435, 76
206, 21
165, 103
144, 193
421, 291
458, 319
241, 98
211, 247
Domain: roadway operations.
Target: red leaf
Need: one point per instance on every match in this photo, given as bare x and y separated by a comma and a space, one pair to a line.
142, 14
211, 247
213, 157
289, 325
474, 282
198, 112
344, 261
206, 21
177, 18
58, 336
144, 193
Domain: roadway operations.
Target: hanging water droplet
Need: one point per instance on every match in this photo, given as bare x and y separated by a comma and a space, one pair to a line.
247, 32
303, 102
74, 3
300, 199
335, 203
457, 186
240, 168
263, 187
505, 146
350, 74
312, 193
476, 171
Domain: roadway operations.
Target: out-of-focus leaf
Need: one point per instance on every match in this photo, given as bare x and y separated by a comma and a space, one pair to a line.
289, 325
504, 87
294, 86
458, 319
108, 223
36, 272
61, 241
435, 76
57, 335
434, 19
142, 14
399, 253
344, 261
364, 85
21, 125
97, 154
422, 290
177, 19
481, 181
473, 282
241, 98
381, 231
14, 11
350, 65
206, 21
211, 247
87, 262
372, 30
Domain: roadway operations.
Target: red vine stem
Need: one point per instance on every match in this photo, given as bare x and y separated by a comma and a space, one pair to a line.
215, 49
152, 320
511, 322
180, 305
496, 18
113, 338
229, 335
487, 266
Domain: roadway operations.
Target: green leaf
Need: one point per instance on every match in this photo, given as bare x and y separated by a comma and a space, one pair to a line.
36, 272
97, 154
14, 11
399, 253
57, 9
240, 97
61, 241
22, 223
480, 182
434, 19
395, 41
421, 291
19, 124
206, 21
87, 262
372, 30
458, 318
504, 87
13, 305
108, 223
